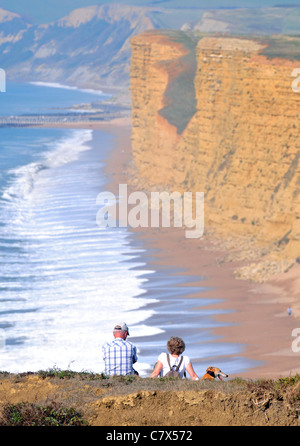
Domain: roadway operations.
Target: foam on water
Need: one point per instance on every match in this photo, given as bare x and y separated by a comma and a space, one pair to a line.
64, 281
67, 87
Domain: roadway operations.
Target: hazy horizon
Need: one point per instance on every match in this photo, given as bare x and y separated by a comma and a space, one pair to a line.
51, 10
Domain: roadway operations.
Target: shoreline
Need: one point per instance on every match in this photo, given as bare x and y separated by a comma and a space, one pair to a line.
255, 315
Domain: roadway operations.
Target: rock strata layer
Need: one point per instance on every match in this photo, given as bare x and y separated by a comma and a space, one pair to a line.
241, 145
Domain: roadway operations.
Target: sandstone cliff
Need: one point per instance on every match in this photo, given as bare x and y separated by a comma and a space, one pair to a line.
238, 143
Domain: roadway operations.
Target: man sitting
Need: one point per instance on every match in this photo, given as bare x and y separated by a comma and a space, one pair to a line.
119, 355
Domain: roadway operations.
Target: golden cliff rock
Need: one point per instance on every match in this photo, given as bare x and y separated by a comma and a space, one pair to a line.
216, 115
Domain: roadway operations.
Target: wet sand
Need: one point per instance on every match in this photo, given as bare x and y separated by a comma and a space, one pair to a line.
253, 316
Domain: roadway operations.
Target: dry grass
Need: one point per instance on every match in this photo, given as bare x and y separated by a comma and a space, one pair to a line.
76, 391
30, 414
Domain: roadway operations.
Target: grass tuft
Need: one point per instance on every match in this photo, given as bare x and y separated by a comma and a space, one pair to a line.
29, 414
68, 374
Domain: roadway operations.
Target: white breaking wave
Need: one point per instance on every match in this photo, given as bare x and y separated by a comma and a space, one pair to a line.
65, 282
66, 150
67, 87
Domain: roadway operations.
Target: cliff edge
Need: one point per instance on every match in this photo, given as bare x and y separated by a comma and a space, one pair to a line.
220, 116
135, 401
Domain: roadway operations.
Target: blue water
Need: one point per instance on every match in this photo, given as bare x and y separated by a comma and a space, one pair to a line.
62, 278
24, 98
64, 282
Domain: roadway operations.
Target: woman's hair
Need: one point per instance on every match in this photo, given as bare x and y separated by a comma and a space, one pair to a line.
175, 345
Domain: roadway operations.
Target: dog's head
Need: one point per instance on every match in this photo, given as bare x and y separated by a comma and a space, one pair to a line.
215, 372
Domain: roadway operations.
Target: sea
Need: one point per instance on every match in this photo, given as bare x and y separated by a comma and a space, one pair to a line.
64, 281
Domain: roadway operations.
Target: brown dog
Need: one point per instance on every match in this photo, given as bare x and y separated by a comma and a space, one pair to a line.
214, 372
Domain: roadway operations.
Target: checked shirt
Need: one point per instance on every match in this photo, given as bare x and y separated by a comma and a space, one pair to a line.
119, 356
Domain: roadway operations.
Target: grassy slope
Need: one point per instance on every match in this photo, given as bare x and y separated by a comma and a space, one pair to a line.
101, 400
284, 47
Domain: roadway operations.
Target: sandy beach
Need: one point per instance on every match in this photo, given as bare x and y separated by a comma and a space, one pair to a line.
255, 315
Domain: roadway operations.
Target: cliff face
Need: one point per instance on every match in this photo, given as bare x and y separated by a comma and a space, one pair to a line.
240, 147
153, 136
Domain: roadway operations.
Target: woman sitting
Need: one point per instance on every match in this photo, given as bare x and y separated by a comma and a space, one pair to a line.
176, 347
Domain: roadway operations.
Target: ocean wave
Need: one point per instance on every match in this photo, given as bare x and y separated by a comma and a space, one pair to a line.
67, 87
65, 151
64, 282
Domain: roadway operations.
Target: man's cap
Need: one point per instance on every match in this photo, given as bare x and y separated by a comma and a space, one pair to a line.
122, 327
